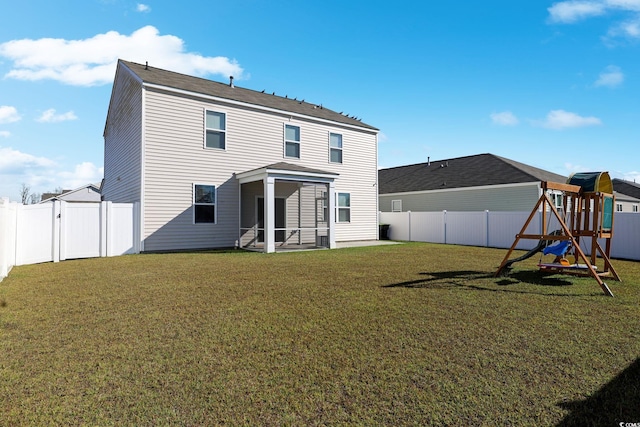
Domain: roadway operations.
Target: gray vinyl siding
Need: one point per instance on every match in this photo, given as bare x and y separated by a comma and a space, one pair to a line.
175, 159
82, 195
250, 192
519, 198
309, 206
122, 139
628, 206
359, 178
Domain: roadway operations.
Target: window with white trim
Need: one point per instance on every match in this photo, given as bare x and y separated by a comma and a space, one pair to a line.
324, 206
634, 208
204, 203
557, 200
396, 206
343, 207
618, 207
292, 141
215, 134
335, 147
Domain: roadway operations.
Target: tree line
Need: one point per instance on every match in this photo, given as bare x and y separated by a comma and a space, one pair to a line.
29, 198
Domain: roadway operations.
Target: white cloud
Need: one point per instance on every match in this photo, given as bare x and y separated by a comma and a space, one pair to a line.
631, 28
573, 10
505, 118
50, 116
8, 114
571, 168
610, 77
41, 173
14, 161
570, 11
560, 119
631, 5
5, 134
628, 29
92, 61
140, 7
632, 176
84, 173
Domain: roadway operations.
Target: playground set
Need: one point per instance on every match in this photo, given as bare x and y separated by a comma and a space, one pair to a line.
587, 212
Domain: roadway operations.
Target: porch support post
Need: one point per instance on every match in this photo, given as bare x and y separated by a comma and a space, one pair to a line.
269, 214
331, 203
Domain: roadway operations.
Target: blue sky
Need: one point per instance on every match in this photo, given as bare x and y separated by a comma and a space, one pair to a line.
554, 84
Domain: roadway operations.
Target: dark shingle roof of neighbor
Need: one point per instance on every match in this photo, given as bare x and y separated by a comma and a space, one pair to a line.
161, 77
469, 171
626, 187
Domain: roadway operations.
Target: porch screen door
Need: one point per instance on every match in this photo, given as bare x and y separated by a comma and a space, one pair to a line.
280, 220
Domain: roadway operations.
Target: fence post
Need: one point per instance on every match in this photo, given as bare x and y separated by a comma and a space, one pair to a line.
137, 232
104, 227
57, 239
444, 226
486, 229
62, 218
409, 220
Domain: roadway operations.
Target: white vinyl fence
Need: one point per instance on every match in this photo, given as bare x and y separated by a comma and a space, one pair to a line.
499, 229
58, 230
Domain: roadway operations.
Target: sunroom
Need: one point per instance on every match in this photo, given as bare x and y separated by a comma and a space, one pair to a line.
286, 207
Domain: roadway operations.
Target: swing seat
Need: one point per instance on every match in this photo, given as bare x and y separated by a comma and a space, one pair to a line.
558, 249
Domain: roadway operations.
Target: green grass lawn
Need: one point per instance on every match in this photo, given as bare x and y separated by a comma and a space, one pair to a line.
411, 334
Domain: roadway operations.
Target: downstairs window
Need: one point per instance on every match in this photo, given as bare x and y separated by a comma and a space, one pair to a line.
204, 204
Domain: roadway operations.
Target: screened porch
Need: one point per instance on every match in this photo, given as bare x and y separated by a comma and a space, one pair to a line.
286, 207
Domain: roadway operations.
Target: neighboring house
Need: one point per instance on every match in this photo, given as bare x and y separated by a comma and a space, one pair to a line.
627, 195
214, 165
86, 193
472, 183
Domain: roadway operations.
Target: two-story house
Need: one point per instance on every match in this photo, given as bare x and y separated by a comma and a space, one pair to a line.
215, 165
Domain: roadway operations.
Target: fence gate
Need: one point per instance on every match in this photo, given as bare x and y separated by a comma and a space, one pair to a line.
59, 230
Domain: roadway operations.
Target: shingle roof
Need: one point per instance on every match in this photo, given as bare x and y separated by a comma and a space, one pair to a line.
298, 168
626, 187
46, 196
293, 168
469, 171
149, 74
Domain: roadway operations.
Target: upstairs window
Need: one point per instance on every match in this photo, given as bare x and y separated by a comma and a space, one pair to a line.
335, 148
215, 130
204, 203
634, 208
292, 141
618, 207
344, 207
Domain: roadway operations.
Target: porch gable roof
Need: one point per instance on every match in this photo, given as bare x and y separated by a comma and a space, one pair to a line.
287, 171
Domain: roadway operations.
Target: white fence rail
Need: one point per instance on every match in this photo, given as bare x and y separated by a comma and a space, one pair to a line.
498, 229
57, 231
